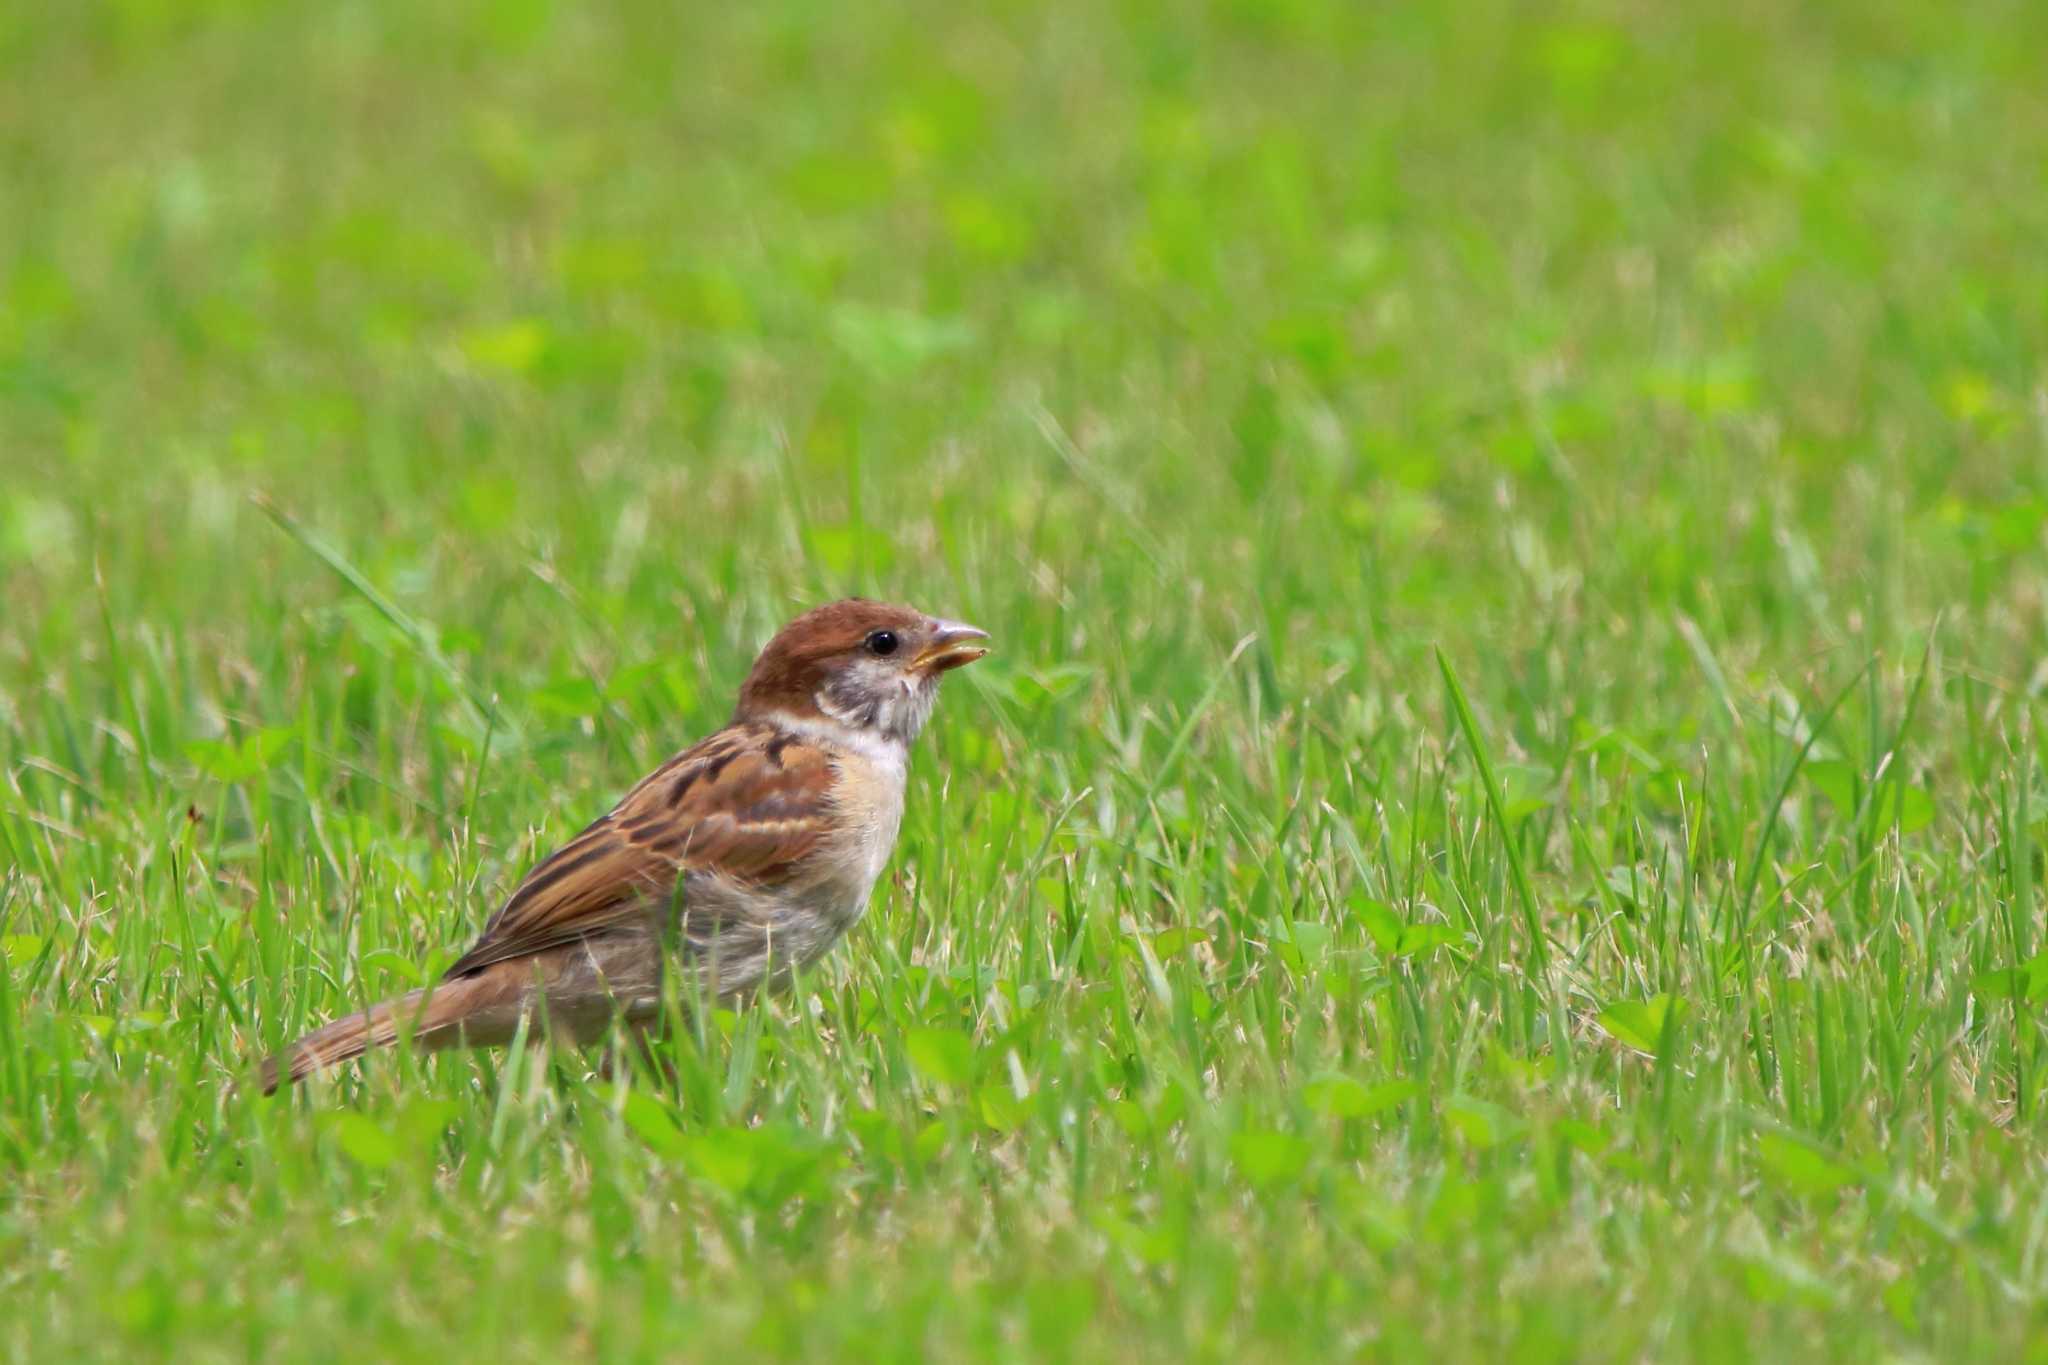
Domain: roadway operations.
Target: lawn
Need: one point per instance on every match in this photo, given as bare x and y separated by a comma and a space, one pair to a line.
1506, 819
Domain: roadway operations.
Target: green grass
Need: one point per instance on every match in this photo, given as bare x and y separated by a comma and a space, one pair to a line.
1501, 823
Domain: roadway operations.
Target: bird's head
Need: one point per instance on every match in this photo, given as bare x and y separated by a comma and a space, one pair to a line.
872, 667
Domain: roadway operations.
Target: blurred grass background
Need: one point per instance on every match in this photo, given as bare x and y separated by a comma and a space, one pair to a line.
1678, 374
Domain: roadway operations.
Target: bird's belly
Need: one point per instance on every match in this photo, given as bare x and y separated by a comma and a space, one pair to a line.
814, 917
736, 938
840, 895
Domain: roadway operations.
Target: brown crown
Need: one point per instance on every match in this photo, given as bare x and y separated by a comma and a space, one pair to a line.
793, 667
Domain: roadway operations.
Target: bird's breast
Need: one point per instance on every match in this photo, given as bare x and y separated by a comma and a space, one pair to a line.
867, 800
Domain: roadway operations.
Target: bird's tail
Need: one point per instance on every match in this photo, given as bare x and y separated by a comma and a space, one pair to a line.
435, 1018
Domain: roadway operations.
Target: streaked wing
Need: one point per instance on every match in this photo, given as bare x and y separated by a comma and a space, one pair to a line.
747, 804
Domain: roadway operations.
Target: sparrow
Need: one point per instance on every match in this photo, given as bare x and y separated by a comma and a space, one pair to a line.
737, 863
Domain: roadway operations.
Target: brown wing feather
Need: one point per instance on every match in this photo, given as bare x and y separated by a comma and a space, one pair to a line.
747, 804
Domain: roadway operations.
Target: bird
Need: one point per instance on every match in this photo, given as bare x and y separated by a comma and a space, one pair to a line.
737, 863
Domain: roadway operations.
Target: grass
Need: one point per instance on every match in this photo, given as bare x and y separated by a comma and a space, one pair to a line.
1506, 820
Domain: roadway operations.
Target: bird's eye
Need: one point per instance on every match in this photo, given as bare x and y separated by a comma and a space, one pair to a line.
881, 642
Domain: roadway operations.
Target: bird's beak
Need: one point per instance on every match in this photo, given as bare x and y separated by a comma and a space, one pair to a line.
953, 644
